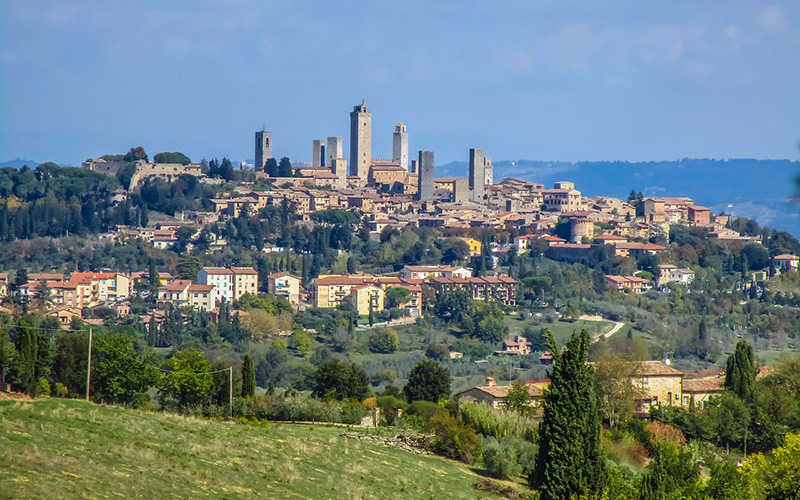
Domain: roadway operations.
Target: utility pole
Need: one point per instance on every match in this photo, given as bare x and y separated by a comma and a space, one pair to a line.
230, 390
89, 366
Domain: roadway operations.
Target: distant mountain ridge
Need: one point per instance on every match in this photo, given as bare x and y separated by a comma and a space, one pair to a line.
757, 189
19, 163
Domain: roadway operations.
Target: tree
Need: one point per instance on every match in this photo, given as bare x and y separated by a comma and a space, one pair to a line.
25, 360
383, 341
570, 460
351, 265
44, 295
6, 351
519, 398
453, 305
171, 158
119, 374
428, 381
285, 167
397, 296
741, 370
135, 154
615, 392
300, 341
271, 167
189, 382
248, 377
339, 380
188, 267
154, 281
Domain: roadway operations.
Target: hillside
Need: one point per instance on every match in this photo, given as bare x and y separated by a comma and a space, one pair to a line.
756, 189
56, 448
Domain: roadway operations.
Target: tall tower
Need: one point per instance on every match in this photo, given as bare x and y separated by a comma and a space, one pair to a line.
334, 150
318, 153
400, 146
263, 149
488, 170
477, 174
425, 176
360, 141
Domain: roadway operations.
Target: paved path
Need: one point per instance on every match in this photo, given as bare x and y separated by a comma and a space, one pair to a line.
615, 329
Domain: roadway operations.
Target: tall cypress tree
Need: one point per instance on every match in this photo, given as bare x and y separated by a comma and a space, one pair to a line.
570, 461
5, 358
248, 377
25, 365
741, 370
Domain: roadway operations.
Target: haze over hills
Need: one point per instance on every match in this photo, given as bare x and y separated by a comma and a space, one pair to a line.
757, 189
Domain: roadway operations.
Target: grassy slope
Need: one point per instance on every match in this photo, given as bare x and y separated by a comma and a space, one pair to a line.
55, 448
562, 330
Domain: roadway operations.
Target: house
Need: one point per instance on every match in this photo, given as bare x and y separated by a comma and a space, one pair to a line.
202, 297
285, 286
570, 252
502, 289
424, 272
174, 295
474, 246
786, 261
520, 346
495, 395
229, 284
366, 298
331, 291
657, 384
669, 273
633, 284
65, 314
698, 391
699, 215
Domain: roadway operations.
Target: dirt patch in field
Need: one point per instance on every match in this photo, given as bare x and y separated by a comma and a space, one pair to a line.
14, 396
498, 489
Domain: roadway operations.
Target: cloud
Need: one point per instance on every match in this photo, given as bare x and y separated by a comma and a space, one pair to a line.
772, 19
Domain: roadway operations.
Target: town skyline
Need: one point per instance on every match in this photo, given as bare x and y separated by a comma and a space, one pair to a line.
564, 85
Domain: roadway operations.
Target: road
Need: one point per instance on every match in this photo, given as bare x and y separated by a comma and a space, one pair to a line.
615, 329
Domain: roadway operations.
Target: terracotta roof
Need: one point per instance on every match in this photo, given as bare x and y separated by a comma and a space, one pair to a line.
217, 270
711, 384
281, 275
201, 288
243, 270
177, 286
786, 256
656, 368
339, 280
501, 391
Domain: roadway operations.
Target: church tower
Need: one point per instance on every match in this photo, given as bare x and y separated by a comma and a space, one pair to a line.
263, 149
400, 146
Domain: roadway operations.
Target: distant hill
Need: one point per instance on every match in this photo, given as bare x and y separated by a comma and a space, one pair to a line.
19, 163
757, 189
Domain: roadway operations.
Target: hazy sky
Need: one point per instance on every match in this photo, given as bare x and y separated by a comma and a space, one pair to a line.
555, 80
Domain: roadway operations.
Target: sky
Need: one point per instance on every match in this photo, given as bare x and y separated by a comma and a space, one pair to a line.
539, 80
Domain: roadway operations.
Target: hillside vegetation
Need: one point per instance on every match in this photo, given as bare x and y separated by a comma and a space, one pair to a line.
54, 448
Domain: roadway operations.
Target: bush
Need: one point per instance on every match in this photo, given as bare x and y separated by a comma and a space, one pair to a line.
389, 406
500, 461
498, 423
44, 387
383, 341
453, 439
61, 390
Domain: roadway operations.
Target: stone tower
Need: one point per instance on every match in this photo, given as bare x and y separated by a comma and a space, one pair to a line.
400, 145
461, 190
318, 153
334, 150
488, 170
360, 141
263, 149
477, 174
425, 176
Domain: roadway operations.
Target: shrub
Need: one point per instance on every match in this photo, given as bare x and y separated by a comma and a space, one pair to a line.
453, 439
389, 406
665, 433
498, 423
44, 387
61, 390
383, 341
501, 461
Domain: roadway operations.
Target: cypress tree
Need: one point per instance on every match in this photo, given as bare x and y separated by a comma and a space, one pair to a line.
26, 358
741, 370
4, 358
248, 378
570, 461
701, 331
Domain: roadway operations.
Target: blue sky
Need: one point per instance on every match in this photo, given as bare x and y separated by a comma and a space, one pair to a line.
555, 80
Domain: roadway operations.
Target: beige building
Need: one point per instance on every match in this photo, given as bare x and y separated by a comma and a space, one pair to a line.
229, 284
698, 391
424, 272
285, 286
495, 395
364, 297
658, 384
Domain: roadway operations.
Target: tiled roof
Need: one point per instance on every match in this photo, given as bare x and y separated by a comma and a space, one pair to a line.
501, 391
656, 368
710, 384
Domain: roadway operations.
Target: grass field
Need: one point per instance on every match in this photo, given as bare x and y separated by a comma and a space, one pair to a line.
55, 448
562, 330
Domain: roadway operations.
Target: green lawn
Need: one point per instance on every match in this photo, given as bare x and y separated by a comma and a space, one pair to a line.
54, 448
562, 330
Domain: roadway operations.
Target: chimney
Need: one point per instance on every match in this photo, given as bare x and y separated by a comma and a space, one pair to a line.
490, 382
